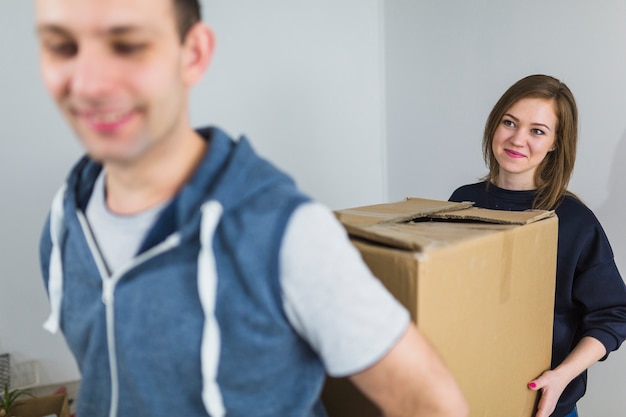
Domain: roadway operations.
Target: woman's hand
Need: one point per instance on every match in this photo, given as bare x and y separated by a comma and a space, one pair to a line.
552, 383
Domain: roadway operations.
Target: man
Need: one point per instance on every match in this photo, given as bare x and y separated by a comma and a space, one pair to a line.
188, 275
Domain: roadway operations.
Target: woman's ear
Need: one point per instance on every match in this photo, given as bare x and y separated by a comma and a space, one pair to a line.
197, 52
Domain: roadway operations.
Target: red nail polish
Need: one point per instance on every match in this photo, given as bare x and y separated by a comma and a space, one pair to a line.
532, 385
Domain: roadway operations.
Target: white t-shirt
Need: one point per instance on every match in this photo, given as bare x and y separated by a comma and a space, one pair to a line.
329, 295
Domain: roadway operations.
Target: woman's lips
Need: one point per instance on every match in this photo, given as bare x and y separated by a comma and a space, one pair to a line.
514, 154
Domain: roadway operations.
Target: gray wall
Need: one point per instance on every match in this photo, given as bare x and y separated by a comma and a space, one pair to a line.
447, 64
303, 80
363, 101
35, 152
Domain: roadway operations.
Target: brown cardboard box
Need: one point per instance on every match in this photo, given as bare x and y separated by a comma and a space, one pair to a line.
479, 284
42, 406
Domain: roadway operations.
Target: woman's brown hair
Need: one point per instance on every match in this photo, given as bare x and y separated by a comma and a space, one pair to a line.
554, 172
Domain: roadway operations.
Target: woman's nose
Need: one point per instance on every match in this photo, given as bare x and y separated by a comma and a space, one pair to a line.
518, 138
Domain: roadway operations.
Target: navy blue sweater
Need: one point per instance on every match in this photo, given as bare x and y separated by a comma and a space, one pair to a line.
590, 297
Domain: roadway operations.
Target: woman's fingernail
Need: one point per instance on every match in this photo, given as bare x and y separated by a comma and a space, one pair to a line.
532, 385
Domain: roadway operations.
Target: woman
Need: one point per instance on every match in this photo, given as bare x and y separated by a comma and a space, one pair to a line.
529, 146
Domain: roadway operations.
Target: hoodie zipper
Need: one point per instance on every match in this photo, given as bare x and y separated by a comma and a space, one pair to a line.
109, 282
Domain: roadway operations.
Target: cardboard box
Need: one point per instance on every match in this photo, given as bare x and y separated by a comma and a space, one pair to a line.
41, 406
478, 283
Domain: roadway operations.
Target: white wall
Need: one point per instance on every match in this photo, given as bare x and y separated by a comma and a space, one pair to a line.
447, 64
36, 150
304, 83
303, 80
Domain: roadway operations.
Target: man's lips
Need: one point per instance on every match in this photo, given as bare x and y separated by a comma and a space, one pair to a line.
514, 154
105, 121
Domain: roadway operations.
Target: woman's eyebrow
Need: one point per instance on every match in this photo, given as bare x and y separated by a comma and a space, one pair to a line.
533, 123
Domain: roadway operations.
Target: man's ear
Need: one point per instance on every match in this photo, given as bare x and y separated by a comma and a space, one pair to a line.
197, 52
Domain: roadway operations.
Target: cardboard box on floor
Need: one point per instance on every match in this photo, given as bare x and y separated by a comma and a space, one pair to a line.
42, 406
479, 284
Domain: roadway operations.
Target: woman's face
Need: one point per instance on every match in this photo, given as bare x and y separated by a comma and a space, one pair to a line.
525, 135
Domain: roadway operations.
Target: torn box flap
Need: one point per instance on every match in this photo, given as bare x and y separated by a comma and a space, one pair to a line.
390, 224
399, 212
495, 216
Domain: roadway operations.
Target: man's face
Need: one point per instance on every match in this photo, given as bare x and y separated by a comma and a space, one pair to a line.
116, 70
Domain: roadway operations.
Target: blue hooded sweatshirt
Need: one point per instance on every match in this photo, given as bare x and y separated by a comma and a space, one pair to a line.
194, 325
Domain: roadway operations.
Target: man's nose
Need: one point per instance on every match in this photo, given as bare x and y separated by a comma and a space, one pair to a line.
94, 74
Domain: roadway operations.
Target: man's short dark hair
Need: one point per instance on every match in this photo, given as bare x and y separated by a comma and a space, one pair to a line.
188, 13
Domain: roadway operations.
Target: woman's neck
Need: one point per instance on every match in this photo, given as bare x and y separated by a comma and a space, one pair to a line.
515, 183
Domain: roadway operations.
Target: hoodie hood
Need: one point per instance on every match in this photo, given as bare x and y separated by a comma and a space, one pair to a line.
229, 174
228, 168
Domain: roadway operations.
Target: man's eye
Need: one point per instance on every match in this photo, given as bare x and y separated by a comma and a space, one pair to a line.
128, 48
64, 49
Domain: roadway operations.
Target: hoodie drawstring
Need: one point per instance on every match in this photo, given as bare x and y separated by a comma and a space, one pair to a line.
207, 289
55, 269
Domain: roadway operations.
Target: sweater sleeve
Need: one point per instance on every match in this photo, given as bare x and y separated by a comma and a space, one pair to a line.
45, 246
598, 288
601, 292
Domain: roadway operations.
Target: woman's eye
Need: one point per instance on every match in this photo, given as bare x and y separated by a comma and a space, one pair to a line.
508, 123
538, 132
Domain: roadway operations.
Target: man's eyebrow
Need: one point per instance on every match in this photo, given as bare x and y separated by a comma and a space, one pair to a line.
51, 28
123, 30
113, 31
